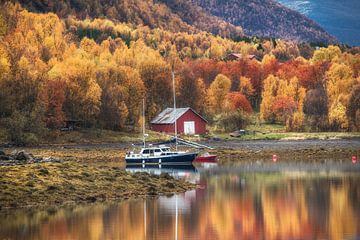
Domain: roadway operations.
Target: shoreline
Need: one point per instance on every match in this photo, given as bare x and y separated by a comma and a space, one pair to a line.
88, 138
210, 142
229, 152
96, 173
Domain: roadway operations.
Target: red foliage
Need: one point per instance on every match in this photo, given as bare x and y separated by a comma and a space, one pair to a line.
290, 69
204, 68
252, 70
233, 71
53, 95
312, 76
270, 68
309, 75
283, 107
239, 101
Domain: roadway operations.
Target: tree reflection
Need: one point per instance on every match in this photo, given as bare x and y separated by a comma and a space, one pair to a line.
248, 206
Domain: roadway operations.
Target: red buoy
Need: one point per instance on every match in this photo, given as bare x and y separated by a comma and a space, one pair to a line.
274, 157
353, 159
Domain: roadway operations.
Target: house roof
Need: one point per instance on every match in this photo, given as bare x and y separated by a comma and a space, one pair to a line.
168, 116
239, 56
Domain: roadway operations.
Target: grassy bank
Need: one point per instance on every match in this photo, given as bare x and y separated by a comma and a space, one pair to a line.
254, 132
258, 131
55, 184
84, 136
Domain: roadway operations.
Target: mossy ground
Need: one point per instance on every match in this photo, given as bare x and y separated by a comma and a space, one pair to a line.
54, 184
82, 155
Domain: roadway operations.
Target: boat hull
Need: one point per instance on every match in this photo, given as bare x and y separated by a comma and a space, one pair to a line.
205, 159
178, 159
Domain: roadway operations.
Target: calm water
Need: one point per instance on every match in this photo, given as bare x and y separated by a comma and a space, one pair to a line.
339, 18
227, 206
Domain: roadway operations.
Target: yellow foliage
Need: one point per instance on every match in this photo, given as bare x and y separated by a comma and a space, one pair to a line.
4, 63
340, 83
326, 54
337, 115
79, 73
268, 96
90, 46
267, 59
216, 50
246, 87
218, 90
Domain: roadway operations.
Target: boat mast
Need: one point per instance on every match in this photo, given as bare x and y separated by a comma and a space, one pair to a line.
176, 217
173, 80
143, 123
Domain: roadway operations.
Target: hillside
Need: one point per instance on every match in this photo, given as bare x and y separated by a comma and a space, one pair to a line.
267, 18
173, 15
97, 71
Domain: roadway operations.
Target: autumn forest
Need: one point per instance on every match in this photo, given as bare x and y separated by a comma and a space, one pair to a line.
98, 71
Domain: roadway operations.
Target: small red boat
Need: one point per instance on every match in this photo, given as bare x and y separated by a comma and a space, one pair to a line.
206, 157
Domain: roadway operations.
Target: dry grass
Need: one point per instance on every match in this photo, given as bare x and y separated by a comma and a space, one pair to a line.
85, 136
311, 155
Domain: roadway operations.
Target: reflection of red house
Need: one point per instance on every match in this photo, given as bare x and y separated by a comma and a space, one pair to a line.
188, 121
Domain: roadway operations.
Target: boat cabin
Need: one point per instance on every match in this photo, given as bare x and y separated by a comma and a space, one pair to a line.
152, 152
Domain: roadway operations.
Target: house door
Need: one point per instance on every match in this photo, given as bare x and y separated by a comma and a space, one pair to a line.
189, 127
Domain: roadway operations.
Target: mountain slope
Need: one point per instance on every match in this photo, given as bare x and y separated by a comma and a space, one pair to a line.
267, 18
187, 18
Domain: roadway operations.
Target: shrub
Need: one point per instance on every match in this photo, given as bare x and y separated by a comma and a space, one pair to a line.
295, 122
233, 120
16, 127
25, 128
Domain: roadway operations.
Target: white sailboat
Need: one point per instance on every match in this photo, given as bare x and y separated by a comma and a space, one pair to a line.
160, 154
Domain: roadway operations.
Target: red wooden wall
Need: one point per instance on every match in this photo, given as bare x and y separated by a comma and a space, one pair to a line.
200, 124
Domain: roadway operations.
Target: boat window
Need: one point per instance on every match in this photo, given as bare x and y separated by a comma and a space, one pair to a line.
146, 151
157, 150
151, 151
165, 149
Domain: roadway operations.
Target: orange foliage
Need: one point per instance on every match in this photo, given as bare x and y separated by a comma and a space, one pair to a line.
283, 107
205, 69
96, 70
237, 100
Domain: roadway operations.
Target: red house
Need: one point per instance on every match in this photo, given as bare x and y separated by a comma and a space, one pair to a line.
238, 56
188, 121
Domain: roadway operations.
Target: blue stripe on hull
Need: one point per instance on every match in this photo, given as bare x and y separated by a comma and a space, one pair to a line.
180, 159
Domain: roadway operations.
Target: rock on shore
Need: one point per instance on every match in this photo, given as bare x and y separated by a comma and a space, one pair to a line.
18, 157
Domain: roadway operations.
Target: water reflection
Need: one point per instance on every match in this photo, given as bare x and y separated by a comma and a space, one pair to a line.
227, 206
187, 172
